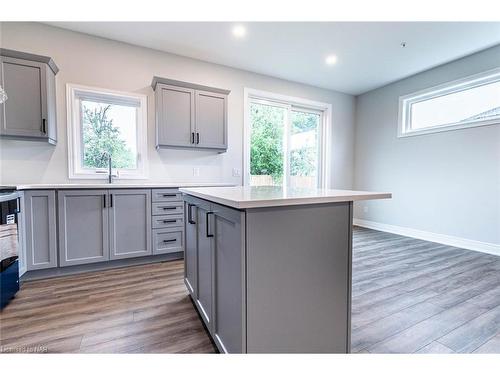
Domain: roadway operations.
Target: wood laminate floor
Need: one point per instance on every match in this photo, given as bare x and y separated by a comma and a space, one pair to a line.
408, 296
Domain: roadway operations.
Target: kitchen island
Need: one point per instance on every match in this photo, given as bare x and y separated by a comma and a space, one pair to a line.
269, 268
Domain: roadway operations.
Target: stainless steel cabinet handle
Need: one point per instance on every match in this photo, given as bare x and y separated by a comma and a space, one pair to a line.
104, 196
44, 130
169, 208
110, 200
169, 221
192, 137
172, 240
197, 138
207, 223
169, 195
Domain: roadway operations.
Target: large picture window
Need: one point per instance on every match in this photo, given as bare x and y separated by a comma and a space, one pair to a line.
106, 125
469, 102
285, 141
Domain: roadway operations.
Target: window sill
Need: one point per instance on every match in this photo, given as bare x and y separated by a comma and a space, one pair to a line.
445, 128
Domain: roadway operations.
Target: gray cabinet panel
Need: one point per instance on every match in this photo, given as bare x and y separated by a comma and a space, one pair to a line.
166, 195
314, 243
83, 226
229, 278
168, 208
167, 240
168, 221
129, 223
174, 116
191, 247
211, 122
205, 265
40, 229
26, 107
30, 111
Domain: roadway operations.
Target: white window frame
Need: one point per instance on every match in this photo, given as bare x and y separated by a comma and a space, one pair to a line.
285, 101
75, 152
406, 101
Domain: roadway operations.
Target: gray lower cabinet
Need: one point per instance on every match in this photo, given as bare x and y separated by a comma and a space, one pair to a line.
129, 223
30, 110
83, 226
214, 270
40, 229
228, 244
191, 248
205, 265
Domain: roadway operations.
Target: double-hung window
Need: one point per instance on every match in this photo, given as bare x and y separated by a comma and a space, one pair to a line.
469, 102
286, 141
106, 125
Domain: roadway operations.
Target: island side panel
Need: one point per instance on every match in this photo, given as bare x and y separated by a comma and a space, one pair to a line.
299, 278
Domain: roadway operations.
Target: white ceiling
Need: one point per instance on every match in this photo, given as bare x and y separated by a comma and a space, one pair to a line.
369, 53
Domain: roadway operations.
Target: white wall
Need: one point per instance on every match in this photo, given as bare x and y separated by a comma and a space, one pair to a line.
446, 183
113, 65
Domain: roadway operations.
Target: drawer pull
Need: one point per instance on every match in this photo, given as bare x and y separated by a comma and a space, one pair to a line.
169, 221
169, 208
169, 195
172, 240
190, 214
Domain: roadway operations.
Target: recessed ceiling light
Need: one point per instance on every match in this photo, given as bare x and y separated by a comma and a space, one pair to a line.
239, 31
331, 59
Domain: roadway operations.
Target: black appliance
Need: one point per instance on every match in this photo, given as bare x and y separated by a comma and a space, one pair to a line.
9, 245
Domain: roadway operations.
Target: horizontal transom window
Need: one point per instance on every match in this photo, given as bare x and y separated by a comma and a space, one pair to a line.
469, 102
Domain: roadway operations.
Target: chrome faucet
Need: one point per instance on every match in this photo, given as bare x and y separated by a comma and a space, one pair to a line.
110, 171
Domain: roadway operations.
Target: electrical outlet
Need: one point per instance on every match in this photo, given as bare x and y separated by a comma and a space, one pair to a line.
236, 172
196, 171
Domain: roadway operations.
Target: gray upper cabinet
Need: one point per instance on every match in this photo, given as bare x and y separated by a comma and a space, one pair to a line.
211, 122
83, 226
129, 223
190, 115
174, 116
30, 110
40, 229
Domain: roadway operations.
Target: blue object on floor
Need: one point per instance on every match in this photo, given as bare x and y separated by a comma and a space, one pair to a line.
9, 283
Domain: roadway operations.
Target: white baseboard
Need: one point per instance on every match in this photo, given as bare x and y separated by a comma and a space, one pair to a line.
483, 247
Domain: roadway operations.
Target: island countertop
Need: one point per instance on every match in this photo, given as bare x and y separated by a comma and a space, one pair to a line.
242, 197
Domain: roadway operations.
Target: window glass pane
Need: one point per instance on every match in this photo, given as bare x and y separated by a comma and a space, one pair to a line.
304, 150
108, 129
473, 104
266, 144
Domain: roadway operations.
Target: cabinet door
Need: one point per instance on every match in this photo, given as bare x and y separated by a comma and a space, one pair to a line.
205, 262
174, 116
25, 111
211, 120
191, 248
40, 228
129, 223
228, 247
83, 226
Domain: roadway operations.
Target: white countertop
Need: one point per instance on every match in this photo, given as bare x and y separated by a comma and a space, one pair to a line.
268, 196
117, 185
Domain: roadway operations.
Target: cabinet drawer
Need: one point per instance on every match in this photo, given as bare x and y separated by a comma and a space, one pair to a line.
168, 208
168, 221
167, 240
166, 195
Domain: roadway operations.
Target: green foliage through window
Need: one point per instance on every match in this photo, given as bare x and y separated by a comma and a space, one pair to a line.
101, 137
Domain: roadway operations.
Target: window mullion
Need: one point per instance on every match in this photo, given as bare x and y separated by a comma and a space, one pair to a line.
286, 146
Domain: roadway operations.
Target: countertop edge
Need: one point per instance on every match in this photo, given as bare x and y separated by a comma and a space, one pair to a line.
280, 202
63, 186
